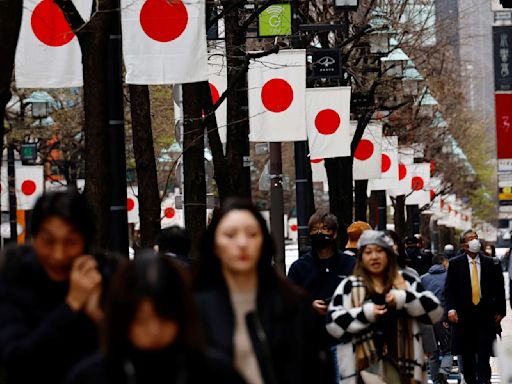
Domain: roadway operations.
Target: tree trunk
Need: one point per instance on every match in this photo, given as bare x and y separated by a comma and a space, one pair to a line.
399, 217
144, 152
361, 200
193, 165
341, 200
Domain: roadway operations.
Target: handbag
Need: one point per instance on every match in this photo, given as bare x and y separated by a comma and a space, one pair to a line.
383, 371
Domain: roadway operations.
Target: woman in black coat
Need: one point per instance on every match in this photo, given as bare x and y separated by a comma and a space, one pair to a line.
149, 332
50, 293
249, 313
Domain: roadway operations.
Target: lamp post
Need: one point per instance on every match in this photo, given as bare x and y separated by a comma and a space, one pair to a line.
426, 104
411, 80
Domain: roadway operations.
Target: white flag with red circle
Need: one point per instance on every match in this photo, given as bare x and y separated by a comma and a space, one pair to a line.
164, 41
419, 186
4, 189
368, 154
132, 204
319, 174
48, 54
293, 228
389, 165
169, 214
406, 154
29, 181
218, 80
277, 97
328, 121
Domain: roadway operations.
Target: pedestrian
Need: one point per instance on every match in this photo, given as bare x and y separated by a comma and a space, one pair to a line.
174, 241
418, 259
490, 250
475, 300
150, 332
441, 359
320, 271
375, 313
50, 292
402, 258
449, 251
354, 232
249, 313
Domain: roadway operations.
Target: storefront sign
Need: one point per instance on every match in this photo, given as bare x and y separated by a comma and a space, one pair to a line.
276, 20
502, 37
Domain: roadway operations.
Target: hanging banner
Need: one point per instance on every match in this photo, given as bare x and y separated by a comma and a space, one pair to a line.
504, 128
389, 165
170, 215
48, 54
217, 77
368, 154
164, 42
419, 188
328, 121
502, 39
277, 97
318, 170
132, 204
29, 181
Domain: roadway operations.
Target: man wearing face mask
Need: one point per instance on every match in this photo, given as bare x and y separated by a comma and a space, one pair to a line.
321, 270
475, 300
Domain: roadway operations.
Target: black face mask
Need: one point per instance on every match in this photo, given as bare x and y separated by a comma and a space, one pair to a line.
321, 241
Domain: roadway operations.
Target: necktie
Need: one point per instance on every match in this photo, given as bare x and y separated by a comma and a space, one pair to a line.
475, 286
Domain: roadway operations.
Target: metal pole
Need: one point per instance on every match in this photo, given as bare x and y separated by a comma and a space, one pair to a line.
12, 194
277, 205
118, 211
382, 219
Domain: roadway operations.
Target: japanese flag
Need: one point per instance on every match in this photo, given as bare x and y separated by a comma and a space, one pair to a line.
170, 215
277, 97
328, 121
48, 54
164, 41
4, 188
403, 185
318, 170
406, 154
29, 181
368, 154
132, 204
389, 165
217, 77
293, 228
419, 187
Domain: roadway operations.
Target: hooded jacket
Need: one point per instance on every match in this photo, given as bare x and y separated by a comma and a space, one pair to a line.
435, 280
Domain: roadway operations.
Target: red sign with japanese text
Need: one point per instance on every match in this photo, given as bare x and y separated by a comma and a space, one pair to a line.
504, 125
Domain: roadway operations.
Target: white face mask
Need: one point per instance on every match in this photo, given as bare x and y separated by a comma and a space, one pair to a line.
474, 246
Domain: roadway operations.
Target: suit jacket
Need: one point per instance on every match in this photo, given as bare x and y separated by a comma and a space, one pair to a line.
458, 297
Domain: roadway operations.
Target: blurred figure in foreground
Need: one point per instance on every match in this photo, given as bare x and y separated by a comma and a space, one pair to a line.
150, 333
249, 313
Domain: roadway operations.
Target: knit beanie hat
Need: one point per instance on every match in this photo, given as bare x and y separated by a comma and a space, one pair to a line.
376, 237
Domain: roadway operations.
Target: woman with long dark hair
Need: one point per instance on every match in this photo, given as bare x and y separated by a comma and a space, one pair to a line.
149, 333
375, 315
50, 292
249, 313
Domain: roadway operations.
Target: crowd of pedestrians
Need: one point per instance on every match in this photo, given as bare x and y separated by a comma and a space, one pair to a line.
376, 310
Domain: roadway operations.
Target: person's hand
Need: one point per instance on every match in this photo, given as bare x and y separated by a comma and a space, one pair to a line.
399, 282
498, 318
446, 324
379, 310
84, 279
320, 307
390, 300
452, 316
92, 306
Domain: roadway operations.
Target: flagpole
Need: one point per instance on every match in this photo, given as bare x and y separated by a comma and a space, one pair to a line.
118, 241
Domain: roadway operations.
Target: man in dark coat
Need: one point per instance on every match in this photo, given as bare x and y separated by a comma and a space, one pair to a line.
475, 300
417, 258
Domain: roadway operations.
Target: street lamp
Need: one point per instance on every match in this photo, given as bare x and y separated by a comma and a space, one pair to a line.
394, 63
41, 103
381, 34
427, 103
411, 80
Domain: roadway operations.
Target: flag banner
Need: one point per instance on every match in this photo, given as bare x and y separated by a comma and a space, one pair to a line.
389, 165
277, 97
164, 41
132, 204
503, 126
368, 154
293, 229
48, 54
217, 77
403, 185
318, 170
4, 188
29, 181
406, 154
170, 215
328, 121
419, 190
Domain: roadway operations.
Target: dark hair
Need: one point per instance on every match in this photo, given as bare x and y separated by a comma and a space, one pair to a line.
402, 255
68, 205
209, 273
154, 277
174, 239
411, 241
464, 234
438, 259
391, 271
325, 217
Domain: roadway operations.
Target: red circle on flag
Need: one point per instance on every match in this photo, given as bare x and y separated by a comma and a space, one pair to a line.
417, 183
449, 209
402, 171
442, 203
130, 204
327, 121
215, 93
277, 95
316, 161
386, 163
163, 20
50, 25
294, 227
28, 187
364, 150
432, 195
169, 212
